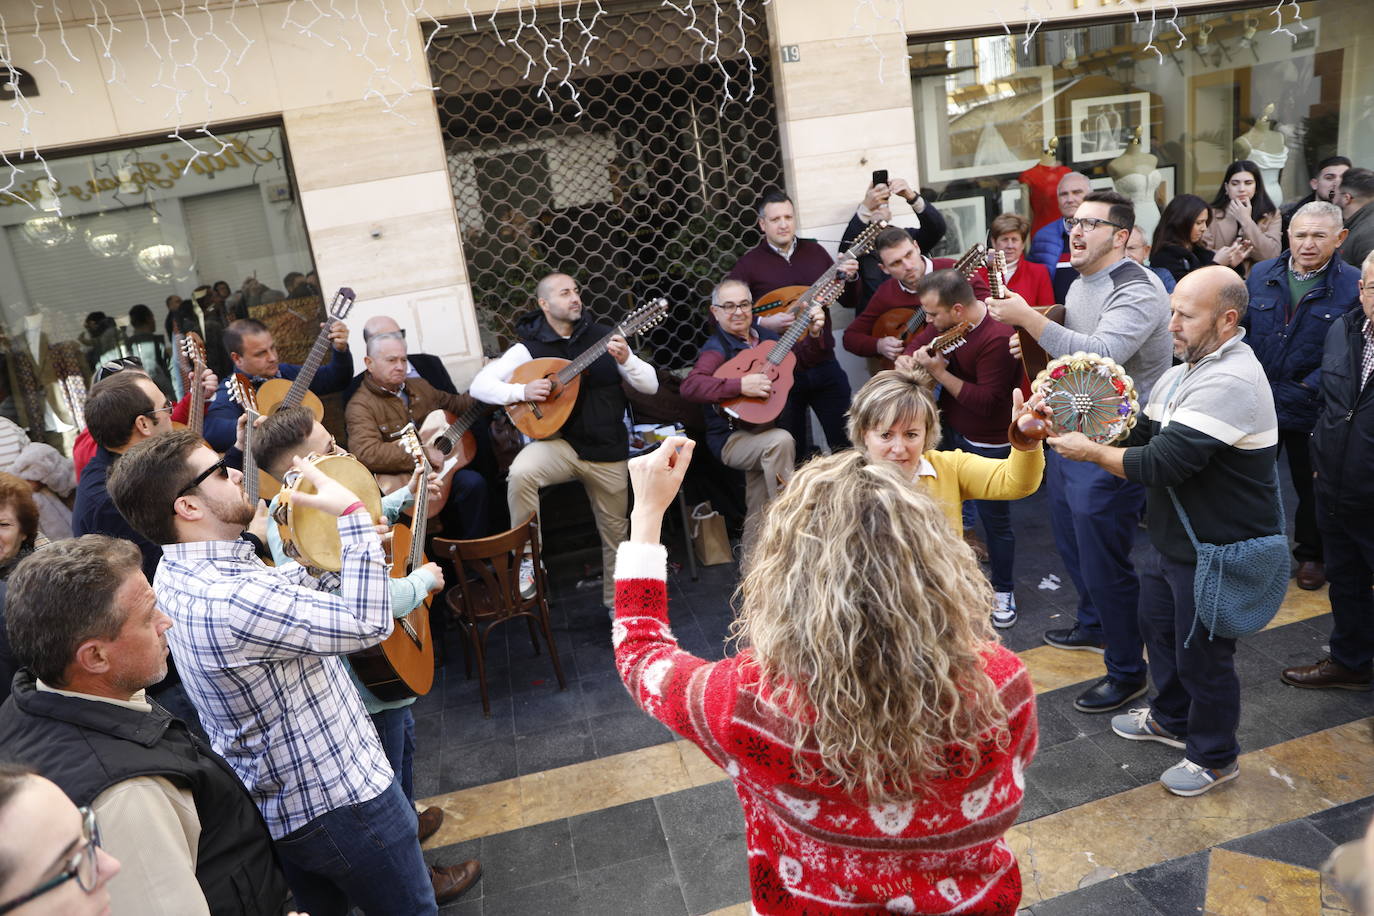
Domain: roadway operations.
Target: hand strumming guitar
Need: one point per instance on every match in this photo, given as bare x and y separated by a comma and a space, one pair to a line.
756, 385
889, 347
538, 390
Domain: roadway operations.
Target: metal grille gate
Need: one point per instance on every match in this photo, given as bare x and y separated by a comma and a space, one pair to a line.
637, 176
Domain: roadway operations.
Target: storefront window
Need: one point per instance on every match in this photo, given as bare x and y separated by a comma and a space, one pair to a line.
115, 230
987, 109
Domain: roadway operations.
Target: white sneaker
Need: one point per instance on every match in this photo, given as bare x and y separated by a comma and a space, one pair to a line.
1004, 610
527, 577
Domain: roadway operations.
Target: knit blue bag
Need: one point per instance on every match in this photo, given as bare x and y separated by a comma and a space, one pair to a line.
1237, 588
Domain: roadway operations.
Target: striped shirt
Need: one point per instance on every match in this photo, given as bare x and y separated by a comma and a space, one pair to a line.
258, 650
1367, 359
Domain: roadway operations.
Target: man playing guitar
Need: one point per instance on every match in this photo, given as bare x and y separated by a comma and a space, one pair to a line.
976, 380
593, 445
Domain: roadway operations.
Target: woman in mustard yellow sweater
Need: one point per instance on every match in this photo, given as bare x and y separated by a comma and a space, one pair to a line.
894, 418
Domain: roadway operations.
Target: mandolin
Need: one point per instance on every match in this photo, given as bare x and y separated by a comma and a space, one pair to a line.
257, 483
541, 419
278, 393
190, 349
1034, 359
402, 665
902, 323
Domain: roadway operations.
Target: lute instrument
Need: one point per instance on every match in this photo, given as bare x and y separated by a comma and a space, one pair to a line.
541, 419
241, 392
774, 358
783, 298
904, 323
278, 393
402, 665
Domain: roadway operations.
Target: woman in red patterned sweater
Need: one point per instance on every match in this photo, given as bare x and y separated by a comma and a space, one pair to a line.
876, 731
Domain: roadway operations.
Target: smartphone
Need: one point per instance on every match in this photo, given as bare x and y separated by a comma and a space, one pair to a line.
879, 177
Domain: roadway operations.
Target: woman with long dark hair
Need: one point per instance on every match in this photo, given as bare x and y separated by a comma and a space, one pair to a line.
1242, 212
1177, 245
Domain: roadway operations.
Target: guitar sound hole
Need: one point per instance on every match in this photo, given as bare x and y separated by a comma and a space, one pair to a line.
443, 444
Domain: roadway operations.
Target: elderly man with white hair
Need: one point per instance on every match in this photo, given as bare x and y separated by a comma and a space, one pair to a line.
419, 365
1295, 299
1050, 244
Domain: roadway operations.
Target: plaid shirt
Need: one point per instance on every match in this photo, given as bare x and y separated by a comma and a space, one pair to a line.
258, 650
1367, 360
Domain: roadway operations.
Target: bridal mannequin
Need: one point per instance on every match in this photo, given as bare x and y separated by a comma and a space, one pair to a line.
1040, 185
1266, 148
1135, 175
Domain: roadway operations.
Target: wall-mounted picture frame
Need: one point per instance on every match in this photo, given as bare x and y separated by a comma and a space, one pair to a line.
966, 221
967, 134
1013, 200
1102, 126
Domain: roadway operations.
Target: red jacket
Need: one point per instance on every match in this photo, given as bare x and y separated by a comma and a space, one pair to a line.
812, 848
1031, 282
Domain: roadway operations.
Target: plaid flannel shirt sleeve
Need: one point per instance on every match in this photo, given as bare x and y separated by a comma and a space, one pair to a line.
284, 619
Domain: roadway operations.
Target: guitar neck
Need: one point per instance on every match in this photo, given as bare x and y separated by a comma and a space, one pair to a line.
196, 421
419, 515
295, 395
250, 464
584, 359
455, 430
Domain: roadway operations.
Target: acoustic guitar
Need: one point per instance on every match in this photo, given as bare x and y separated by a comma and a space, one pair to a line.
191, 350
774, 358
902, 323
783, 298
402, 665
241, 392
541, 419
278, 393
448, 438
1034, 359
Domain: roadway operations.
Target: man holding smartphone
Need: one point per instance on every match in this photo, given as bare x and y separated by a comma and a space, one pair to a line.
876, 205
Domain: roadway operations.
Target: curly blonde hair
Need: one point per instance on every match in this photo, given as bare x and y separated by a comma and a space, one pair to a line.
867, 620
894, 396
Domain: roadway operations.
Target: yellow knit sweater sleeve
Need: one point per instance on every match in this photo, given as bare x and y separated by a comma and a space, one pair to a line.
961, 475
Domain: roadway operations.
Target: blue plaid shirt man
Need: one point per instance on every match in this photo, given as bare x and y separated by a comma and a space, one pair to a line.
259, 653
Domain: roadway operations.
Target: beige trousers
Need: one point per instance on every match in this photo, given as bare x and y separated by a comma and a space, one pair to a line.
549, 461
765, 458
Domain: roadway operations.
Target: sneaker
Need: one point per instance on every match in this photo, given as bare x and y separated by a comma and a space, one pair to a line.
527, 577
1139, 725
1004, 610
1188, 779
1075, 638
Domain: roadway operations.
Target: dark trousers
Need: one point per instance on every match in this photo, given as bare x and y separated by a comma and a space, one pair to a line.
1306, 536
1094, 516
824, 389
466, 515
1349, 544
396, 731
363, 855
1199, 694
996, 517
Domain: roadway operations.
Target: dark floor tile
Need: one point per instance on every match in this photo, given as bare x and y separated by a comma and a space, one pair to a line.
1253, 666
618, 732
1177, 887
454, 853
1300, 643
551, 898
605, 693
1058, 726
705, 831
1114, 896
524, 857
464, 766
1299, 712
560, 746
1142, 761
1082, 723
645, 885
464, 723
463, 906
538, 711
597, 658
613, 835
1297, 843
1034, 804
1344, 823
1075, 772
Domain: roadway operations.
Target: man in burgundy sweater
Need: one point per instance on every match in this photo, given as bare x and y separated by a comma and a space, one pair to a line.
900, 258
976, 381
782, 259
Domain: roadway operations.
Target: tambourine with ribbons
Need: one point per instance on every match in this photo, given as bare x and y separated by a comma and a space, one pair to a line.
1082, 392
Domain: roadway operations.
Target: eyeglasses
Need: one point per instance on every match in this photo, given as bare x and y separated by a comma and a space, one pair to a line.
167, 406
112, 366
1088, 223
84, 865
728, 307
1366, 287
219, 466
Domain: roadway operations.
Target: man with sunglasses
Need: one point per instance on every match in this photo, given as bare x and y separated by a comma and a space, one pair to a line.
1118, 309
260, 652
85, 625
51, 860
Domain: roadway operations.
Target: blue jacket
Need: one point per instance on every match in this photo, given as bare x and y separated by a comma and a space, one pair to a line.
1048, 244
1290, 348
222, 417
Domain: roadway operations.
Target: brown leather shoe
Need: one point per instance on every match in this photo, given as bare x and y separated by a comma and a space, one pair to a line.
1328, 673
1311, 575
430, 820
980, 550
451, 880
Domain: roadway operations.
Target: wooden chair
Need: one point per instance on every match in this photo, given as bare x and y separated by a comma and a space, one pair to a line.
493, 596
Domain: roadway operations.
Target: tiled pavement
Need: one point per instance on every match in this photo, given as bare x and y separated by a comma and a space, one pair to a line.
654, 829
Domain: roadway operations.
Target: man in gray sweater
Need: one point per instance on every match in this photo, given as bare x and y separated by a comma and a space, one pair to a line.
1118, 309
1210, 434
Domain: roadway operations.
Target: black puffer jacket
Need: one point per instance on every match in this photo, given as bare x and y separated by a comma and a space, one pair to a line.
1343, 441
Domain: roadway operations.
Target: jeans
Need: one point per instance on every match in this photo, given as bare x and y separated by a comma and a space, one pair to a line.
1307, 539
396, 730
363, 855
1349, 545
1094, 516
824, 389
996, 516
1199, 693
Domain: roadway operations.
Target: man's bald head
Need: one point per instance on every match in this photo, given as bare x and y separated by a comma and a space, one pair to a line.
1221, 286
1205, 310
380, 324
549, 284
